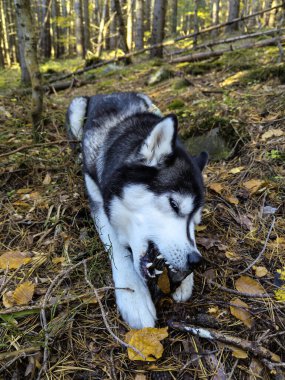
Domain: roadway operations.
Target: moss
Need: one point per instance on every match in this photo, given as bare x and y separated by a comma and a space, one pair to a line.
176, 104
263, 74
181, 83
200, 68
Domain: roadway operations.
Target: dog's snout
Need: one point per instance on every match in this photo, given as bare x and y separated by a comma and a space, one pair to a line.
194, 259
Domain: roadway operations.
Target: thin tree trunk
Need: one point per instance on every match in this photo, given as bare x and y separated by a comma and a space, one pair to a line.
255, 7
215, 15
174, 4
80, 49
147, 13
86, 25
272, 17
122, 31
113, 26
234, 6
267, 4
139, 25
6, 52
158, 24
23, 11
130, 23
196, 22
44, 43
101, 29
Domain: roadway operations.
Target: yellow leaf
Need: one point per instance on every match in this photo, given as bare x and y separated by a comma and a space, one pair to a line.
247, 284
58, 260
24, 293
260, 271
147, 341
200, 228
13, 259
23, 191
8, 300
35, 195
236, 170
233, 256
272, 133
21, 204
47, 179
216, 187
163, 282
239, 353
140, 376
233, 200
240, 313
253, 185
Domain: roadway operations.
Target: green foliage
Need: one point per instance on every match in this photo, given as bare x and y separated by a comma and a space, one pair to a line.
175, 104
275, 154
263, 74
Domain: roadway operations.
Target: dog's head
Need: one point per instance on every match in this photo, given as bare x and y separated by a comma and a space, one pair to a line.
156, 211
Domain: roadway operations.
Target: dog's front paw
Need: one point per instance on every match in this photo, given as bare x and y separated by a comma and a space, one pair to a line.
184, 291
136, 307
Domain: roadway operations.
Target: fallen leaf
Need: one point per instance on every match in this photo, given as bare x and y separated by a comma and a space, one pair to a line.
24, 293
24, 190
232, 200
200, 228
272, 133
211, 242
140, 376
255, 369
163, 282
260, 271
21, 204
13, 259
236, 170
245, 222
147, 341
253, 185
240, 313
58, 260
47, 179
8, 300
239, 353
34, 195
233, 256
246, 284
216, 187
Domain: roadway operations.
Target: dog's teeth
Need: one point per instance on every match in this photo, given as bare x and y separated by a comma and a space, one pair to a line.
157, 272
166, 262
148, 265
170, 266
159, 257
150, 275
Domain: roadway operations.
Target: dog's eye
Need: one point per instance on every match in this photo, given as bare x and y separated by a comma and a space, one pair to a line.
174, 205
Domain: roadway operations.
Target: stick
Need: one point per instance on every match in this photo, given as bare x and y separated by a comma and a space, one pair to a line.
27, 350
252, 346
209, 54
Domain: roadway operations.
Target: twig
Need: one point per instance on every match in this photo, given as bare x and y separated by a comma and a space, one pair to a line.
262, 251
124, 344
6, 283
31, 146
27, 350
252, 346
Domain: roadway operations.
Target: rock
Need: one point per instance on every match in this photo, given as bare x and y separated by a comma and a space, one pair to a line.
159, 76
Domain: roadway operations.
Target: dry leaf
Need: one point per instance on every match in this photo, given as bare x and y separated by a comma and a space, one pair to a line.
21, 204
272, 133
200, 228
163, 282
34, 195
246, 284
236, 170
140, 376
240, 312
233, 256
233, 200
24, 293
255, 369
239, 353
217, 187
260, 271
13, 259
47, 179
253, 185
8, 300
58, 260
147, 341
24, 190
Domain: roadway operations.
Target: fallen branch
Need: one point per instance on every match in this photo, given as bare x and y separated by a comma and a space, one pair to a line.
25, 351
209, 54
252, 346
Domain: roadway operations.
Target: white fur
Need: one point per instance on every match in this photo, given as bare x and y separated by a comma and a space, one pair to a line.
184, 291
77, 114
158, 144
133, 298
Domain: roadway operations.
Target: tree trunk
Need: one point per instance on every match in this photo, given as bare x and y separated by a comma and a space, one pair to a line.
196, 22
25, 75
80, 49
101, 29
139, 25
45, 37
86, 25
147, 13
5, 43
234, 6
255, 7
66, 28
174, 9
130, 23
158, 24
23, 11
272, 17
267, 4
107, 29
122, 30
113, 26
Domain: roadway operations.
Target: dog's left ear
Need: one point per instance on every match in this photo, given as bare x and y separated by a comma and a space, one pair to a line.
160, 142
201, 160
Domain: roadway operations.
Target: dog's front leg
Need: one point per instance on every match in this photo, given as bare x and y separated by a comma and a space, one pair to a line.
132, 295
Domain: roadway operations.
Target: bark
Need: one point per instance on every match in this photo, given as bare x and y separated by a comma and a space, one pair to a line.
5, 44
130, 23
196, 22
80, 49
215, 15
106, 33
272, 17
147, 13
267, 4
66, 28
44, 43
122, 31
158, 24
210, 54
255, 7
55, 29
23, 11
174, 9
101, 29
113, 26
86, 24
25, 75
234, 7
139, 25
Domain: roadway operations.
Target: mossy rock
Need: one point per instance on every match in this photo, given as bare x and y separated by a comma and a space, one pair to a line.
159, 76
181, 83
176, 104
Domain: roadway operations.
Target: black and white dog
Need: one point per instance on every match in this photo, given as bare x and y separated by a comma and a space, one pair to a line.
146, 195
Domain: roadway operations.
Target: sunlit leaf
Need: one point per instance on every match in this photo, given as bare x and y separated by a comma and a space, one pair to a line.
240, 312
47, 179
216, 187
246, 284
58, 260
233, 256
239, 353
8, 300
236, 170
260, 271
24, 293
272, 133
147, 341
163, 282
13, 259
232, 200
253, 185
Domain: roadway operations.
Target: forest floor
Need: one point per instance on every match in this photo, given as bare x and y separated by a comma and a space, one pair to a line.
45, 225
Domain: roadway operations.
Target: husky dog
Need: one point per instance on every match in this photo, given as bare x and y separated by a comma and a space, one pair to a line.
146, 195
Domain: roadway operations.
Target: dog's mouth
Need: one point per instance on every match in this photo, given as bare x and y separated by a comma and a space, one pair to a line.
153, 263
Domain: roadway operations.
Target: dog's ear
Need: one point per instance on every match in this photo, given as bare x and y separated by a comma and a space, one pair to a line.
160, 142
201, 160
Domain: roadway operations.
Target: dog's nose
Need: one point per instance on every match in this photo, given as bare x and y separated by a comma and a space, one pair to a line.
194, 260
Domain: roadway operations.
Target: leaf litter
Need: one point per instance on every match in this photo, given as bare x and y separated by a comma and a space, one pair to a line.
43, 207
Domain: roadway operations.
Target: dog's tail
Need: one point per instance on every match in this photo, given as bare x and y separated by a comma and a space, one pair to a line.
75, 117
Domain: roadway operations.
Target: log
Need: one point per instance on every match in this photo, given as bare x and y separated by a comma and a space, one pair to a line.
210, 54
